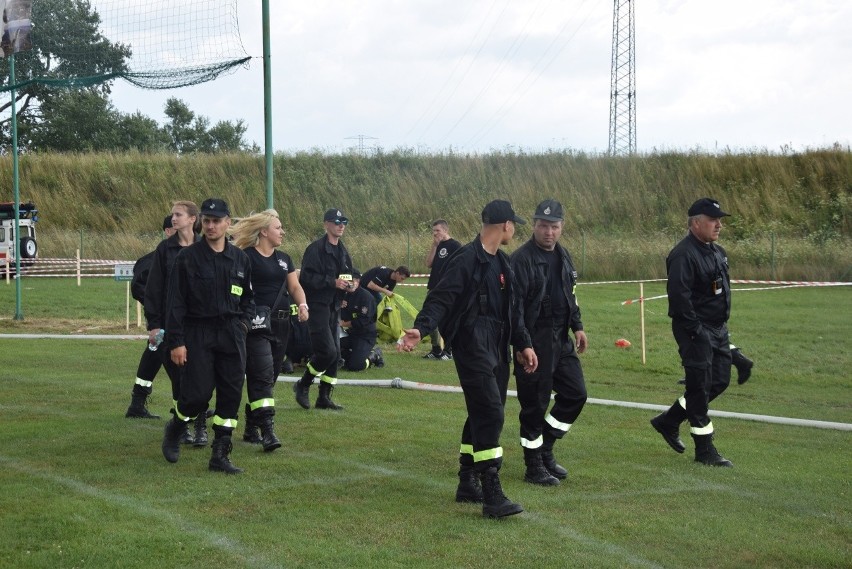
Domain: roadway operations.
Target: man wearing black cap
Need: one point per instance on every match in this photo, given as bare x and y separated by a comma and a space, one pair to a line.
472, 305
699, 291
210, 309
545, 283
326, 274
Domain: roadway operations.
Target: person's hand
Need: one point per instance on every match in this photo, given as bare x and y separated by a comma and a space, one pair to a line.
581, 341
303, 313
408, 341
528, 359
152, 336
179, 356
342, 284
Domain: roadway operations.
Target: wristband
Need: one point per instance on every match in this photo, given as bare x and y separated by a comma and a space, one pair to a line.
305, 305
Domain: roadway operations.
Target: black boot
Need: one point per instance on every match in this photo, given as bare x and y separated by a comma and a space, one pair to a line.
706, 453
270, 441
201, 439
172, 435
138, 405
495, 504
219, 461
251, 434
536, 472
669, 431
549, 461
376, 358
743, 365
324, 400
469, 489
302, 388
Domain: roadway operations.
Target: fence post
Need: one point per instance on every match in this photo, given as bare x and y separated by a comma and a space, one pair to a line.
78, 267
772, 255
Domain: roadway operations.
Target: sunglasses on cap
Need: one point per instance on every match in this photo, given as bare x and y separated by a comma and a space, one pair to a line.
341, 221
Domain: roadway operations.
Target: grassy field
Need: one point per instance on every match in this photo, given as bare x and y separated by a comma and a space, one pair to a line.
372, 486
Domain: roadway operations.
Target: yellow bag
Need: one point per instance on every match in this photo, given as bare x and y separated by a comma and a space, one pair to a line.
389, 319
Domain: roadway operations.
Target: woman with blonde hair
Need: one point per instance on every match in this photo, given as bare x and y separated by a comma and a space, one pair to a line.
275, 283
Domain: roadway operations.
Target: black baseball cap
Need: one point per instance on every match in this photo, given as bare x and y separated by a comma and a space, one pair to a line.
549, 210
356, 274
167, 222
334, 214
214, 207
708, 207
499, 211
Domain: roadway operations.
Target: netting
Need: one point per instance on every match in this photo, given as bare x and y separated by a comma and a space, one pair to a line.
154, 44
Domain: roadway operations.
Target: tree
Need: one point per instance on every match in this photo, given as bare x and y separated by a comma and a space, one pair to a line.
189, 132
67, 43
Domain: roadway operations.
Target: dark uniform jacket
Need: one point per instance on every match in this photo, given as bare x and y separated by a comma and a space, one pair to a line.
455, 300
442, 254
157, 285
360, 310
696, 271
321, 267
532, 283
141, 270
208, 288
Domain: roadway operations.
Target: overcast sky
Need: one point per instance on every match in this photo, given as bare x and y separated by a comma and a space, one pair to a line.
477, 75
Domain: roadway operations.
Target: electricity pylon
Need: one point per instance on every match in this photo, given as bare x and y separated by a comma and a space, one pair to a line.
622, 95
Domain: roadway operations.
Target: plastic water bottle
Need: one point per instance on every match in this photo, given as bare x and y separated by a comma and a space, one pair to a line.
158, 339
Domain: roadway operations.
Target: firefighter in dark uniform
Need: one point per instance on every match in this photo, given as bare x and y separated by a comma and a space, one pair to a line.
210, 309
326, 274
699, 292
545, 280
151, 360
186, 226
358, 319
443, 246
471, 304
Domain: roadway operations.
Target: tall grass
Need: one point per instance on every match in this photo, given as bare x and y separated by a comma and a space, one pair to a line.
792, 213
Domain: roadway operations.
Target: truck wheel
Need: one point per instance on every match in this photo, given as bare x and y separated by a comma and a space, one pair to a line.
28, 248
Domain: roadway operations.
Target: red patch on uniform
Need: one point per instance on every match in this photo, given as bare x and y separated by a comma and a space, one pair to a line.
502, 281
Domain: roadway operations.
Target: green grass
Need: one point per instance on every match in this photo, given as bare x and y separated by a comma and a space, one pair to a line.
372, 486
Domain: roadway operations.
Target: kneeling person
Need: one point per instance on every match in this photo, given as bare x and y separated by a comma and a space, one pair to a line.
358, 318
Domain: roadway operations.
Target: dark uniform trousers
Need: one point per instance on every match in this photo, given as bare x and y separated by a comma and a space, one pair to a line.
215, 359
357, 350
149, 366
480, 353
558, 370
707, 365
265, 356
325, 340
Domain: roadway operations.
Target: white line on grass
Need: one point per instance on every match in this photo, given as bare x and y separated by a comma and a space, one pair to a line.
248, 555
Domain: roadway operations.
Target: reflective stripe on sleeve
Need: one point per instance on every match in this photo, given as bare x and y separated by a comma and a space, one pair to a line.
143, 383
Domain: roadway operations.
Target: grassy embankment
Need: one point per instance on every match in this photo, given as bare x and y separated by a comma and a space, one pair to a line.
793, 213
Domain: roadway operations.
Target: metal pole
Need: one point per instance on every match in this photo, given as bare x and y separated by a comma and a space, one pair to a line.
19, 313
267, 104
